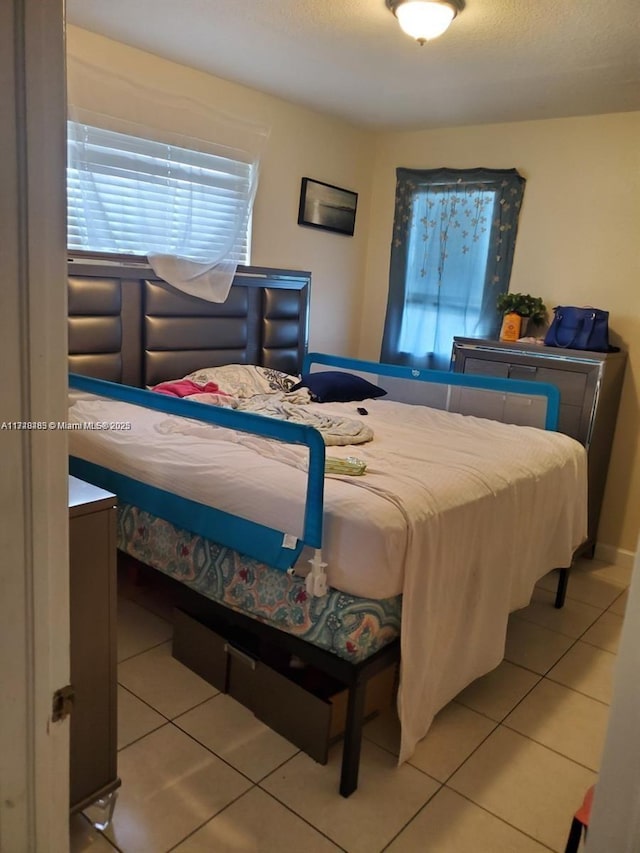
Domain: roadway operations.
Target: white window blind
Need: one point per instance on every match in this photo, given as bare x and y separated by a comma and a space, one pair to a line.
139, 196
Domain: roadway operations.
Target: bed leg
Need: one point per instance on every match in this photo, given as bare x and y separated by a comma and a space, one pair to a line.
561, 591
352, 739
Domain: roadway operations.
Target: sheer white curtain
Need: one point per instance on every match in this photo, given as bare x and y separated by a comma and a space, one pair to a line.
446, 269
182, 200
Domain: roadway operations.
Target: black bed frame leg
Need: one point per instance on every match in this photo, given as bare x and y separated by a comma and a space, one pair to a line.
352, 739
561, 591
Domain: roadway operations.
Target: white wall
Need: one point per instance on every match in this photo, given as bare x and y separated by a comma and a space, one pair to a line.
302, 143
577, 245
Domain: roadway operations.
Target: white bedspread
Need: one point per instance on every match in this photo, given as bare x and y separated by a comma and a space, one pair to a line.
459, 514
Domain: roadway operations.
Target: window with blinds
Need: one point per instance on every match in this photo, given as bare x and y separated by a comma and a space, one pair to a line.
139, 196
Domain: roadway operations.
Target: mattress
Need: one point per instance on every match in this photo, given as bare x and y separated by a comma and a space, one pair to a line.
458, 514
350, 627
364, 538
421, 462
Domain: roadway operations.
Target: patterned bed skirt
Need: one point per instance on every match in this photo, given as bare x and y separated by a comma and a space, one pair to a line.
350, 627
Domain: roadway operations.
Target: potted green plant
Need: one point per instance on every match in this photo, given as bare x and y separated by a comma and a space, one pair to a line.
527, 308
523, 304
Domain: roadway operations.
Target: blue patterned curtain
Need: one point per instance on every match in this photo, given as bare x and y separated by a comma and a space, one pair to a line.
454, 236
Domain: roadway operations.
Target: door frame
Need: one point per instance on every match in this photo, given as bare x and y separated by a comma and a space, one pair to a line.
34, 576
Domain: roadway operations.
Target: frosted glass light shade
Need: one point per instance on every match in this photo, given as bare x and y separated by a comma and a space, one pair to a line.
424, 19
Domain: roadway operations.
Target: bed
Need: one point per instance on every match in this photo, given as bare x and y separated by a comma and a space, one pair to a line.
522, 513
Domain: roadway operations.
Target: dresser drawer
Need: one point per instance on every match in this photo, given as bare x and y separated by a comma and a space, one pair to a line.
486, 367
571, 383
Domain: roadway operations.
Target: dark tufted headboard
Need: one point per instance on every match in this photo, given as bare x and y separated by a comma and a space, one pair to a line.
127, 326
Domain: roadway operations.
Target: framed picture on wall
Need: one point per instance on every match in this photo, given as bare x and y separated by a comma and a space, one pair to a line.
325, 206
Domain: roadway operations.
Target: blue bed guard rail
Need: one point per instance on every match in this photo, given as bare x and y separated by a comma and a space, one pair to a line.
451, 382
276, 548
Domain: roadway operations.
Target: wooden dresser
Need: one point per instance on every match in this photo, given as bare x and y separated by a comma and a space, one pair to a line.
92, 582
590, 384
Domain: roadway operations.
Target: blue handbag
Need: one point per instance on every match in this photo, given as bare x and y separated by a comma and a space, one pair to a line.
579, 328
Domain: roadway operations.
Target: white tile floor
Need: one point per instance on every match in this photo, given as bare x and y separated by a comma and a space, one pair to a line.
502, 770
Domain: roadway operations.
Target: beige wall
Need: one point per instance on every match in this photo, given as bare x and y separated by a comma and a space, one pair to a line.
301, 143
577, 245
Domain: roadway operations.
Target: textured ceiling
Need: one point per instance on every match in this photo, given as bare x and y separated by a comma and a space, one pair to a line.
501, 60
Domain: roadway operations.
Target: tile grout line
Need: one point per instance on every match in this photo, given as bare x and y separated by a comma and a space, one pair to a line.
173, 721
498, 724
224, 761
440, 783
503, 724
512, 825
142, 737
576, 640
144, 701
293, 812
579, 692
410, 821
554, 630
221, 758
622, 585
144, 651
198, 704
550, 748
502, 820
241, 773
562, 656
156, 711
215, 755
208, 820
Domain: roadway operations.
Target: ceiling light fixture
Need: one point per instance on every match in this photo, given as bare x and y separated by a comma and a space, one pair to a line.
425, 19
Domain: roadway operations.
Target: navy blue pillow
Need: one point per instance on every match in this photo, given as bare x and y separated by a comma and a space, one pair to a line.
336, 386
